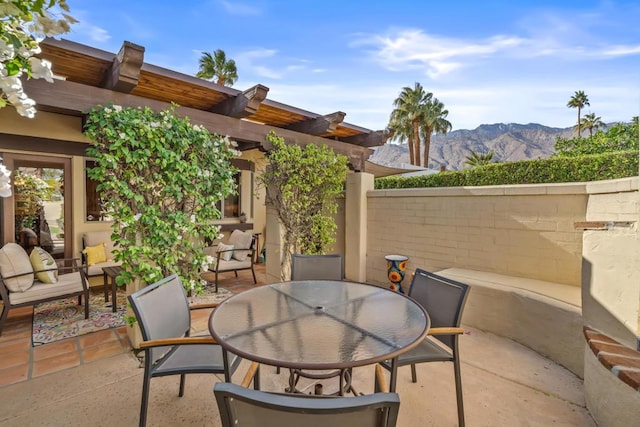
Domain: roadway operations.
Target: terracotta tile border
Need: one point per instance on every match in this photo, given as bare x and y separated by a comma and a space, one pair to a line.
622, 361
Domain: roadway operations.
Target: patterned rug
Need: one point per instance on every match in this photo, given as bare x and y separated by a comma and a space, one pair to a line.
60, 319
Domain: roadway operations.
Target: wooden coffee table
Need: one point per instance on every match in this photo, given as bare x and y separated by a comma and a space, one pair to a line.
111, 272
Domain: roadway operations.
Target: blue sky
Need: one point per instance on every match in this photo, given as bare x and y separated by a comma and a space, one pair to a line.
487, 61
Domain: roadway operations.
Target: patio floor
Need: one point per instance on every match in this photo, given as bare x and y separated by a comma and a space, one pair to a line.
95, 380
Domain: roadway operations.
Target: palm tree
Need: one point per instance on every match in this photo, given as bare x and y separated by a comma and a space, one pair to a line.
578, 100
410, 108
216, 66
435, 121
591, 122
476, 159
403, 131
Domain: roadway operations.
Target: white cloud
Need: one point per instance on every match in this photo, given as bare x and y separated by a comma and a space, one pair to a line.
85, 29
411, 48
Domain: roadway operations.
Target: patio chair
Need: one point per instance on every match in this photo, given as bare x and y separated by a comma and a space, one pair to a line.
23, 285
444, 300
97, 252
243, 407
234, 255
163, 314
318, 267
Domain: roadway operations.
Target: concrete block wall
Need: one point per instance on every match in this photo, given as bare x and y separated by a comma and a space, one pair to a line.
519, 230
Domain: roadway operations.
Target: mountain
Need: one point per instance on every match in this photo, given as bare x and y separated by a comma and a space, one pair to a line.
509, 142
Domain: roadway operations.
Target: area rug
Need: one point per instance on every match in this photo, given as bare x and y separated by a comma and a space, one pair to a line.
60, 319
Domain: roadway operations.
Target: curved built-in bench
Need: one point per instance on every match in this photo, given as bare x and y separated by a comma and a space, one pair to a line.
544, 316
611, 380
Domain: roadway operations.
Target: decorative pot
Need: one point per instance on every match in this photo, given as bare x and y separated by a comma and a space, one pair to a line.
396, 266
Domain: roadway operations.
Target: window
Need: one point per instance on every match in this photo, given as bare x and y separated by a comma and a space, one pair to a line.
230, 206
94, 206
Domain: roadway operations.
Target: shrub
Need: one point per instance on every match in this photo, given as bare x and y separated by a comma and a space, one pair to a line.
583, 168
161, 178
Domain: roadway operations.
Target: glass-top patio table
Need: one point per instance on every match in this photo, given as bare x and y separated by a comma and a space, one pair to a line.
319, 325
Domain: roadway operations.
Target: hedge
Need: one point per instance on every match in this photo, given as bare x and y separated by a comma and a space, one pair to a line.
584, 168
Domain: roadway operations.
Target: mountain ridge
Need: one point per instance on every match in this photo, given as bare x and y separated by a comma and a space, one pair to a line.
508, 141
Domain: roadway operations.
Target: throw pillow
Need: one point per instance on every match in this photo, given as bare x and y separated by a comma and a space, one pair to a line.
95, 254
240, 240
226, 251
13, 261
42, 260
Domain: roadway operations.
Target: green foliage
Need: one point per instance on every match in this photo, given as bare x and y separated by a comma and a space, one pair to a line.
543, 171
416, 116
217, 66
479, 159
302, 184
31, 192
620, 137
161, 178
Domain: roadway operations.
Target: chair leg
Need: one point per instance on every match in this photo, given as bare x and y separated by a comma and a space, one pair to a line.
254, 275
86, 304
3, 316
256, 379
181, 392
458, 379
414, 375
236, 272
145, 389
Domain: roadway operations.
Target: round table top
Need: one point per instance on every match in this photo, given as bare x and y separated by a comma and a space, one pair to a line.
318, 324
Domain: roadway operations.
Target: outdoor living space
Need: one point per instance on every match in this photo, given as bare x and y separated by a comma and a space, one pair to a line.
551, 323
95, 379
506, 380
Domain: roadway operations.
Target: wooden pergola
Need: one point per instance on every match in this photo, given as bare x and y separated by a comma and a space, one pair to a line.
88, 77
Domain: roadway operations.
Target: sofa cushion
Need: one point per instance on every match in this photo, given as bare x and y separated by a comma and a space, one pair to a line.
93, 238
96, 269
67, 284
95, 254
241, 242
226, 251
42, 260
13, 261
234, 264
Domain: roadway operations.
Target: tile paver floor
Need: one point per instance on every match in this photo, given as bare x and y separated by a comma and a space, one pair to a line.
96, 380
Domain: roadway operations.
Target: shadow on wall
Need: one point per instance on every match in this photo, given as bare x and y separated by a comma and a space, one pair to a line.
597, 314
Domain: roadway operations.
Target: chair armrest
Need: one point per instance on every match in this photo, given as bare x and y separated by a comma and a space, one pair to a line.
445, 331
20, 275
75, 266
177, 341
248, 376
203, 305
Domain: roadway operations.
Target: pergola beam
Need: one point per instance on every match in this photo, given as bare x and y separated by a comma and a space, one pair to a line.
372, 139
319, 125
124, 72
243, 104
74, 98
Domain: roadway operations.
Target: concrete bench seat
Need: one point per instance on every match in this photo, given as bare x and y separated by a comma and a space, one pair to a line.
544, 316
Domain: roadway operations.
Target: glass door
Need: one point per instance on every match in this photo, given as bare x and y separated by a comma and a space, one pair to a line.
38, 214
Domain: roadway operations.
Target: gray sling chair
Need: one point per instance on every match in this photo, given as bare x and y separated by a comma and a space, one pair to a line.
164, 317
243, 407
317, 267
444, 300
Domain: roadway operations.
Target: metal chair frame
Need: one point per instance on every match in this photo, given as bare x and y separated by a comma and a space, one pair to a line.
444, 299
162, 311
